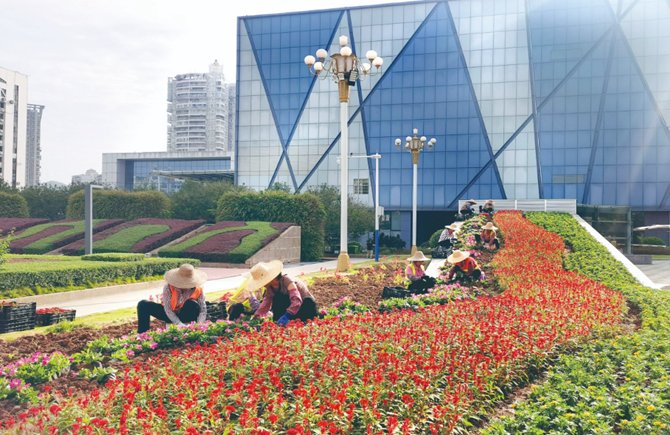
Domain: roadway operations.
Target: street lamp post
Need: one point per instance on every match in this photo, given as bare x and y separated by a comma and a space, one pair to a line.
415, 145
344, 68
379, 212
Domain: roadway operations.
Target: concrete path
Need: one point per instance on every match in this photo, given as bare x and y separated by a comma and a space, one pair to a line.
658, 272
433, 268
219, 279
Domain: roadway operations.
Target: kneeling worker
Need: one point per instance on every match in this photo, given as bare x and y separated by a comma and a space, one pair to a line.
243, 301
467, 266
287, 297
183, 299
488, 236
415, 274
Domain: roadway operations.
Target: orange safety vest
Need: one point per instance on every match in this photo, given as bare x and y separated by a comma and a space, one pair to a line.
175, 296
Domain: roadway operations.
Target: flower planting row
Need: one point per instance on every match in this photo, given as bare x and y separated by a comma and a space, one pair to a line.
43, 238
18, 224
138, 236
227, 241
618, 385
433, 370
51, 316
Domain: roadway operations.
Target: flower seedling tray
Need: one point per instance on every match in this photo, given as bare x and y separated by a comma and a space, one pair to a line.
216, 311
395, 292
17, 317
46, 319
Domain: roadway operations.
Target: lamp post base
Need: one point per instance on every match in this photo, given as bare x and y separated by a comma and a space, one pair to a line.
343, 262
413, 251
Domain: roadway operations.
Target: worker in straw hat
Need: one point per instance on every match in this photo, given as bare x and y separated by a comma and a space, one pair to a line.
287, 297
466, 210
244, 301
448, 236
467, 266
488, 207
183, 299
488, 236
415, 274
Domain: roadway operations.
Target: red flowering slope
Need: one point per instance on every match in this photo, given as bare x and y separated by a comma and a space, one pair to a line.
43, 238
404, 372
18, 224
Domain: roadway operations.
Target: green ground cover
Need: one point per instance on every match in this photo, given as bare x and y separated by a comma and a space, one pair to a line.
619, 385
126, 239
32, 275
47, 244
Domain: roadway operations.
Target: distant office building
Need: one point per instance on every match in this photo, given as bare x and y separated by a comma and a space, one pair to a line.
164, 171
198, 111
55, 184
33, 148
13, 114
91, 176
232, 110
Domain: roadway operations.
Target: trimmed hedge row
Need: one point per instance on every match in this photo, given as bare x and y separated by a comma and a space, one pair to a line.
43, 238
619, 385
13, 205
25, 279
18, 224
275, 206
119, 204
113, 257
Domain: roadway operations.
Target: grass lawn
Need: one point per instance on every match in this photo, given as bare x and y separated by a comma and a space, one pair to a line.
660, 257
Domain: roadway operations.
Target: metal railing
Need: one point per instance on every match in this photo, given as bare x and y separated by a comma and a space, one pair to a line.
562, 205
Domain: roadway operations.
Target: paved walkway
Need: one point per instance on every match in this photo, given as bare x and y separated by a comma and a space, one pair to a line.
658, 272
220, 279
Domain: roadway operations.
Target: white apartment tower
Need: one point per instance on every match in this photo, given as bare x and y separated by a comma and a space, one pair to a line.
33, 147
13, 114
198, 111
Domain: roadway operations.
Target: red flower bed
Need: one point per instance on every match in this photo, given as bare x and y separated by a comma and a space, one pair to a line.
18, 224
178, 228
434, 371
217, 248
16, 246
225, 224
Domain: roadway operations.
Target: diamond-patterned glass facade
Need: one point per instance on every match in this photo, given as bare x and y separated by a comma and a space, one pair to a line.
526, 98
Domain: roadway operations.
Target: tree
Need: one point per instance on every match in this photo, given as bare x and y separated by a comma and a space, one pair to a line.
49, 202
12, 205
281, 186
360, 218
4, 246
196, 200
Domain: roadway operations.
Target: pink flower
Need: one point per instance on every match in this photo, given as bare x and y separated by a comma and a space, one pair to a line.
153, 345
130, 354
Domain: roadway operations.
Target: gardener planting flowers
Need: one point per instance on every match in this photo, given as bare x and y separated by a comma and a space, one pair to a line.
244, 301
183, 299
416, 279
287, 297
488, 237
464, 267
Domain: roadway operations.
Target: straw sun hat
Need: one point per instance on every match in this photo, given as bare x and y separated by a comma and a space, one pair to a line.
489, 226
471, 201
418, 256
185, 276
452, 227
263, 273
458, 256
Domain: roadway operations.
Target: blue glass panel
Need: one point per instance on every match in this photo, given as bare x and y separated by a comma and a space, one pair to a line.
281, 43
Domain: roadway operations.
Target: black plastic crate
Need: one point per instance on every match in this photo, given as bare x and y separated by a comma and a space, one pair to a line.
18, 311
14, 325
216, 311
47, 319
395, 292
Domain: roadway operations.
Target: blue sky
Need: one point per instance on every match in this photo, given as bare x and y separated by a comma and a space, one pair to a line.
101, 67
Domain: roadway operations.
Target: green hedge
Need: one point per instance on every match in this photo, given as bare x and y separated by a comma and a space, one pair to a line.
619, 385
126, 239
13, 205
46, 244
652, 241
32, 278
119, 204
275, 206
113, 256
435, 238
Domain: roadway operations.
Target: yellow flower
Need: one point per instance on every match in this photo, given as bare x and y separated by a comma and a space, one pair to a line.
553, 402
639, 418
628, 379
541, 398
637, 353
593, 421
569, 415
586, 414
544, 407
650, 408
657, 423
591, 387
623, 422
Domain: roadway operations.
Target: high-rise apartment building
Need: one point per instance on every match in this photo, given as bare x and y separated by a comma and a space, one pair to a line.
13, 114
232, 110
198, 111
33, 149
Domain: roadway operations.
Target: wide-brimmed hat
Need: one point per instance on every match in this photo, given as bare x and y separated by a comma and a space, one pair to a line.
470, 201
418, 256
185, 276
452, 227
489, 226
489, 202
263, 273
458, 256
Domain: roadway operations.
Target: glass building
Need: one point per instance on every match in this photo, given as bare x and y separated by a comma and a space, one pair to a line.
527, 99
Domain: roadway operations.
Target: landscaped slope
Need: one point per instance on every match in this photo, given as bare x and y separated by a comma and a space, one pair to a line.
227, 241
138, 236
44, 238
18, 224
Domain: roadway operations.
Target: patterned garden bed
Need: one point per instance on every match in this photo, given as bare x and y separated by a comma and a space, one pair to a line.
138, 236
43, 238
227, 241
18, 224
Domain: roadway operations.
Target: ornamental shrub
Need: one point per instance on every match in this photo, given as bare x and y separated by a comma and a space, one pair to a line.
652, 241
354, 248
435, 238
13, 205
119, 204
276, 206
113, 256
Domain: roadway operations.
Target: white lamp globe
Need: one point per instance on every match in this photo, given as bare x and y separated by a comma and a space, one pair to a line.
318, 67
408, 138
423, 138
321, 54
371, 55
345, 51
309, 60
366, 67
378, 62
397, 142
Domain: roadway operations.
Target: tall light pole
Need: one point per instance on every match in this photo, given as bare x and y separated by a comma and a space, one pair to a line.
379, 211
415, 145
344, 68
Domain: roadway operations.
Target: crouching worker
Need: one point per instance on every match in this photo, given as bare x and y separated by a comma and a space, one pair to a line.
244, 301
287, 297
467, 266
488, 237
183, 299
416, 279
489, 207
